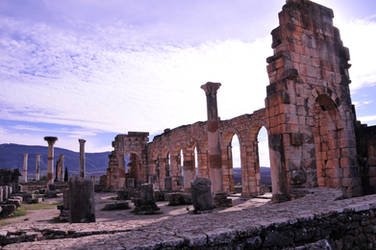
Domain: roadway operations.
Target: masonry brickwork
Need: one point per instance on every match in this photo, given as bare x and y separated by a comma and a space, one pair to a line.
314, 139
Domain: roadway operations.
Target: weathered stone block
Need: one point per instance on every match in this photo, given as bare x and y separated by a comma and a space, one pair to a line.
168, 183
145, 202
201, 194
176, 199
7, 210
221, 200
116, 206
81, 200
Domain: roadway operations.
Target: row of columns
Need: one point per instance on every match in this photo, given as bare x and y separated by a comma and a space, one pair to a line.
37, 167
50, 168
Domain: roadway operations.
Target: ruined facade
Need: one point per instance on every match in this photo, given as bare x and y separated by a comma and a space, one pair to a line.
314, 139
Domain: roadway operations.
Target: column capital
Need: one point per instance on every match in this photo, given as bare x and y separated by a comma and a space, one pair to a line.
81, 141
50, 139
211, 88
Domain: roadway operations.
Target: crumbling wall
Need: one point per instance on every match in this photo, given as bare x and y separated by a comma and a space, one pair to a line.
308, 107
132, 145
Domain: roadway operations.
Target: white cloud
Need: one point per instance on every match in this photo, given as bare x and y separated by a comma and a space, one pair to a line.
369, 118
24, 137
117, 86
360, 37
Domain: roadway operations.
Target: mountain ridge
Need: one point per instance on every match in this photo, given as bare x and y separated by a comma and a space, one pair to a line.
12, 155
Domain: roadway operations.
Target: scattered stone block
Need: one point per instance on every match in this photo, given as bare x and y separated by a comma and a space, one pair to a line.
123, 195
7, 210
116, 206
221, 200
17, 197
201, 194
159, 195
145, 202
15, 202
36, 200
177, 199
51, 194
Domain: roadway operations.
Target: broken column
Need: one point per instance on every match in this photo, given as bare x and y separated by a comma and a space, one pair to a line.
50, 164
214, 149
81, 200
25, 167
145, 202
201, 195
37, 167
59, 168
82, 158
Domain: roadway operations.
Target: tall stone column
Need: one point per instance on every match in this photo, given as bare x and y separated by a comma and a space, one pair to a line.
214, 148
82, 158
59, 168
37, 167
62, 173
25, 167
50, 164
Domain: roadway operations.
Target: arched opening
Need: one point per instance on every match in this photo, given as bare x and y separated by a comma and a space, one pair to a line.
263, 174
327, 135
196, 162
132, 164
126, 161
235, 166
181, 155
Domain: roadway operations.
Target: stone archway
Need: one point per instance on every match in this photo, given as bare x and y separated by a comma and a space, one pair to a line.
328, 132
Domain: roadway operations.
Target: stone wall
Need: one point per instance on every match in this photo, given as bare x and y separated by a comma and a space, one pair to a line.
162, 157
308, 106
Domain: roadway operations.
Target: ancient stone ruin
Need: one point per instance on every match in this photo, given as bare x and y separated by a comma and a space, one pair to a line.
314, 137
314, 141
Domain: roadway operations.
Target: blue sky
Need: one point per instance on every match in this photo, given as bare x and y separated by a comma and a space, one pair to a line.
92, 68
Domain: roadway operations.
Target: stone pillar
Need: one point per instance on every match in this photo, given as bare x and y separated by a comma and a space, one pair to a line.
62, 173
214, 148
25, 167
82, 158
60, 167
37, 167
50, 165
81, 200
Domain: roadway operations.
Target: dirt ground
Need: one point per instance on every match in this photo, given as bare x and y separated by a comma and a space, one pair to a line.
46, 216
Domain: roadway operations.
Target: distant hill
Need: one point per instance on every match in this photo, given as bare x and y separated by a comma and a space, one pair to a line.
11, 156
264, 173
